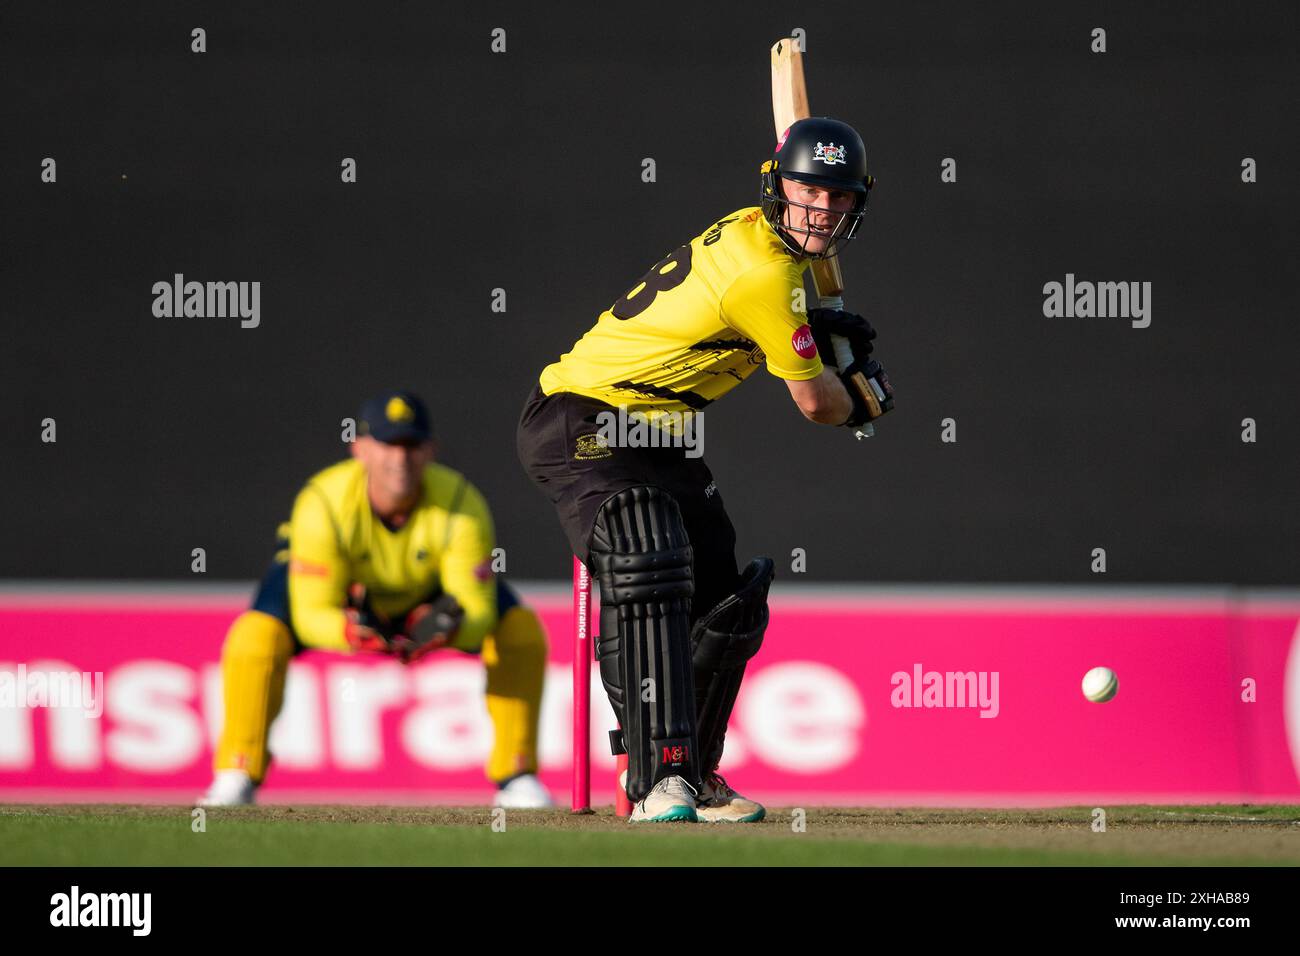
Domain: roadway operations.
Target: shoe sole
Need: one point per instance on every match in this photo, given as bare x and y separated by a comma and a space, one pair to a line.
671, 815
754, 817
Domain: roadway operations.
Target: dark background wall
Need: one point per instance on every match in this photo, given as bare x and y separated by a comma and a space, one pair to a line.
522, 171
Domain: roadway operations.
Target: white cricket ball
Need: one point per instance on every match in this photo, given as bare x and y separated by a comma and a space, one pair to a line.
1100, 684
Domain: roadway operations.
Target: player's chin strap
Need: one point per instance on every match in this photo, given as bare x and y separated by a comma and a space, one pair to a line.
774, 202
722, 642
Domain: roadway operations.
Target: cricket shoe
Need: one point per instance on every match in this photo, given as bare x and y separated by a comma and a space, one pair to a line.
672, 798
718, 803
524, 792
230, 788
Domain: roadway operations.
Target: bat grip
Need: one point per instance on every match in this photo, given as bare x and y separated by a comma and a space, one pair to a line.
844, 358
843, 351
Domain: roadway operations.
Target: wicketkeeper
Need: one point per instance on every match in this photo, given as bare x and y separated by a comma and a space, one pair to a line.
678, 620
388, 553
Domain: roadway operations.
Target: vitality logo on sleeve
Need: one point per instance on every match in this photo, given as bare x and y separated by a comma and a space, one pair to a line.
803, 343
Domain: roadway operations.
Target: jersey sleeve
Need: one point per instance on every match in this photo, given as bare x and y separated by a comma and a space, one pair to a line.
318, 573
466, 569
760, 305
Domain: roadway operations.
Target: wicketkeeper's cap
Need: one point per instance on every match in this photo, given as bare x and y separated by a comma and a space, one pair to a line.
394, 417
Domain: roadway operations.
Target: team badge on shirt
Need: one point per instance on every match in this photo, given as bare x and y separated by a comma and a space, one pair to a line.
587, 447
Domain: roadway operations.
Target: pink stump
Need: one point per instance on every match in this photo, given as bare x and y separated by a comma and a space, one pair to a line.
581, 802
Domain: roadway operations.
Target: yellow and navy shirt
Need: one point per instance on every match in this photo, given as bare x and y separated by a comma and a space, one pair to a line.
697, 325
335, 540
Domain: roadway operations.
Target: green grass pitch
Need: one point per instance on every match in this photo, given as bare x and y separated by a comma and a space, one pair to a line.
111, 835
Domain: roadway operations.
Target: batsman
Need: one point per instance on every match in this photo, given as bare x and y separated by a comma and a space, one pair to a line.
388, 553
678, 620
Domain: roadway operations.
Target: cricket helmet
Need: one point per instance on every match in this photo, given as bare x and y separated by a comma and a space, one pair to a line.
821, 152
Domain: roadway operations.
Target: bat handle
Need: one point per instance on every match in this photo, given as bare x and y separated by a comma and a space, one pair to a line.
843, 359
844, 355
843, 351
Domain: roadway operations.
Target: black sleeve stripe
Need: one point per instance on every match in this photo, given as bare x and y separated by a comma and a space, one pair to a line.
722, 345
689, 399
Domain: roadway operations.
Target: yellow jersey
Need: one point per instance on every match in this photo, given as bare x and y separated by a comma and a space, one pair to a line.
697, 325
335, 539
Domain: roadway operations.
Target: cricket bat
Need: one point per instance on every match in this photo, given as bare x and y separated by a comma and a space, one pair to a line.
790, 103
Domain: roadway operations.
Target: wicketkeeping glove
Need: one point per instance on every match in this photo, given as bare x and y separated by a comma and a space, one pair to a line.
362, 637
827, 322
431, 626
365, 630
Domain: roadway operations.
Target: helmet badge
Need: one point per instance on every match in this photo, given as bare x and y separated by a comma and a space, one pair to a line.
397, 410
830, 154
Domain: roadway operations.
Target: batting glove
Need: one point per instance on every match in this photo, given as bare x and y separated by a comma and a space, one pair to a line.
827, 322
